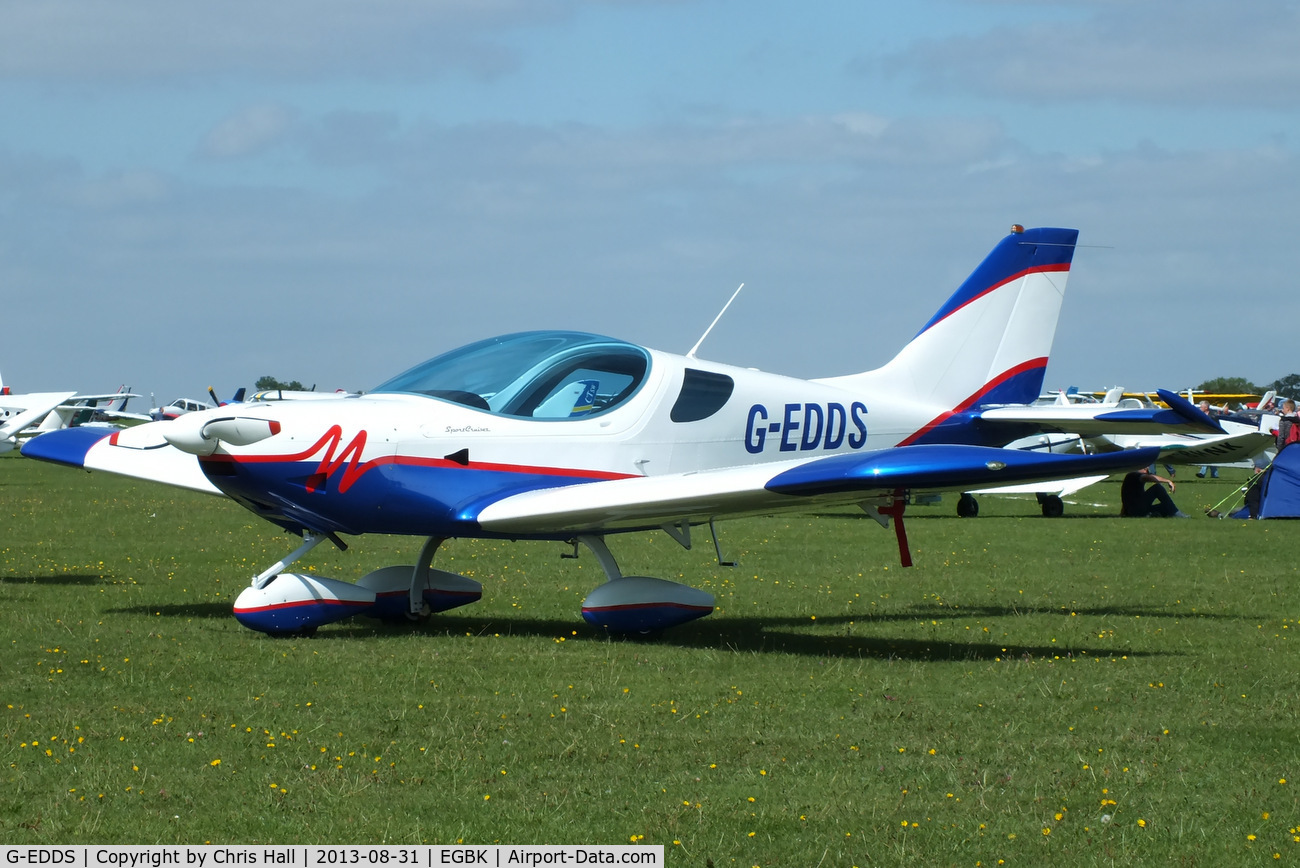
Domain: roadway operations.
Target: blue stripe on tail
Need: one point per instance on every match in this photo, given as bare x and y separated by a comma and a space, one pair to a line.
1042, 249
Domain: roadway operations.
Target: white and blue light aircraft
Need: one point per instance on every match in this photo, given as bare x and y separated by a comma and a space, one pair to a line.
572, 437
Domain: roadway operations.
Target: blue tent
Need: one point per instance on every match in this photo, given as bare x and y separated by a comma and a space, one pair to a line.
1279, 495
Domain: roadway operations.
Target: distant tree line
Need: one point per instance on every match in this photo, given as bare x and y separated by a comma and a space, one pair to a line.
267, 383
1288, 385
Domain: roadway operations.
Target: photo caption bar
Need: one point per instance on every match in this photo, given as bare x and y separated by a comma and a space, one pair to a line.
324, 856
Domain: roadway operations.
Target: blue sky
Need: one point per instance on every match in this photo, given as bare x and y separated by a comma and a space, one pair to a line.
198, 194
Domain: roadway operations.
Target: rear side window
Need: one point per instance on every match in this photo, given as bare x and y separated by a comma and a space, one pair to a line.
703, 394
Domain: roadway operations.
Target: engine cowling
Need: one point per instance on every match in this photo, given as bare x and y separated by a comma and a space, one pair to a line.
644, 604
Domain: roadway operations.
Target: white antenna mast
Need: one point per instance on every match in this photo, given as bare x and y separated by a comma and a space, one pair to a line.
691, 354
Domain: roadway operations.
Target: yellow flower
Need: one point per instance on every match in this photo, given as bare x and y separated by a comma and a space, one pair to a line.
215, 762
1142, 824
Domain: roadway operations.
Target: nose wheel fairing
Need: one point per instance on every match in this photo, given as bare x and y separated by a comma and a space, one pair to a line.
281, 603
298, 603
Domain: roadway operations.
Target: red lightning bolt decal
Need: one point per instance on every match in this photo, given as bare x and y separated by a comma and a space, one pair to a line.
351, 456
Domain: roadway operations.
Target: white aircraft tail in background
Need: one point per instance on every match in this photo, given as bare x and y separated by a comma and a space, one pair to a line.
87, 410
18, 413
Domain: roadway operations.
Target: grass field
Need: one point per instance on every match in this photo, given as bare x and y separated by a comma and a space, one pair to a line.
1081, 690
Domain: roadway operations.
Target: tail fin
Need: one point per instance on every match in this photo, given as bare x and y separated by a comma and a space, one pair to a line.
989, 341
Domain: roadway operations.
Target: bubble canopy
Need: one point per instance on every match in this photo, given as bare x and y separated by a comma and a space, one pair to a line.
535, 375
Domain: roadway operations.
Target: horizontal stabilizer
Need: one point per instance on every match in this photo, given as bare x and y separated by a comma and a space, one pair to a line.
1095, 420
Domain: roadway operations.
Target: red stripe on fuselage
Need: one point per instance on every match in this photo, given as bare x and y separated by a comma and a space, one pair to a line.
353, 468
973, 399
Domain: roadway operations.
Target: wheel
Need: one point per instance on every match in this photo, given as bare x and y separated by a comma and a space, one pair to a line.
968, 506
1052, 506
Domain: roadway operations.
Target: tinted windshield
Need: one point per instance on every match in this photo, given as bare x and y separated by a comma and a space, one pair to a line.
539, 375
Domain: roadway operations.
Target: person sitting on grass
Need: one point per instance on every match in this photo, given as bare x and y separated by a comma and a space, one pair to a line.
1138, 500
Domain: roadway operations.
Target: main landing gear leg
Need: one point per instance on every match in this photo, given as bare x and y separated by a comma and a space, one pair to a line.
417, 609
412, 593
602, 553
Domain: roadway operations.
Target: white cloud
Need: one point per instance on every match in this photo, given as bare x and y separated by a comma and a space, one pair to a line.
606, 159
335, 234
156, 38
846, 247
247, 132
1197, 52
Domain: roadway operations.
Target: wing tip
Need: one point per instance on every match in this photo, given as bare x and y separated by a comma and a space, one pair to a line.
68, 447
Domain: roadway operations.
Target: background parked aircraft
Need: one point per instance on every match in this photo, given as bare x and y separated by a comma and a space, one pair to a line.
20, 412
25, 415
